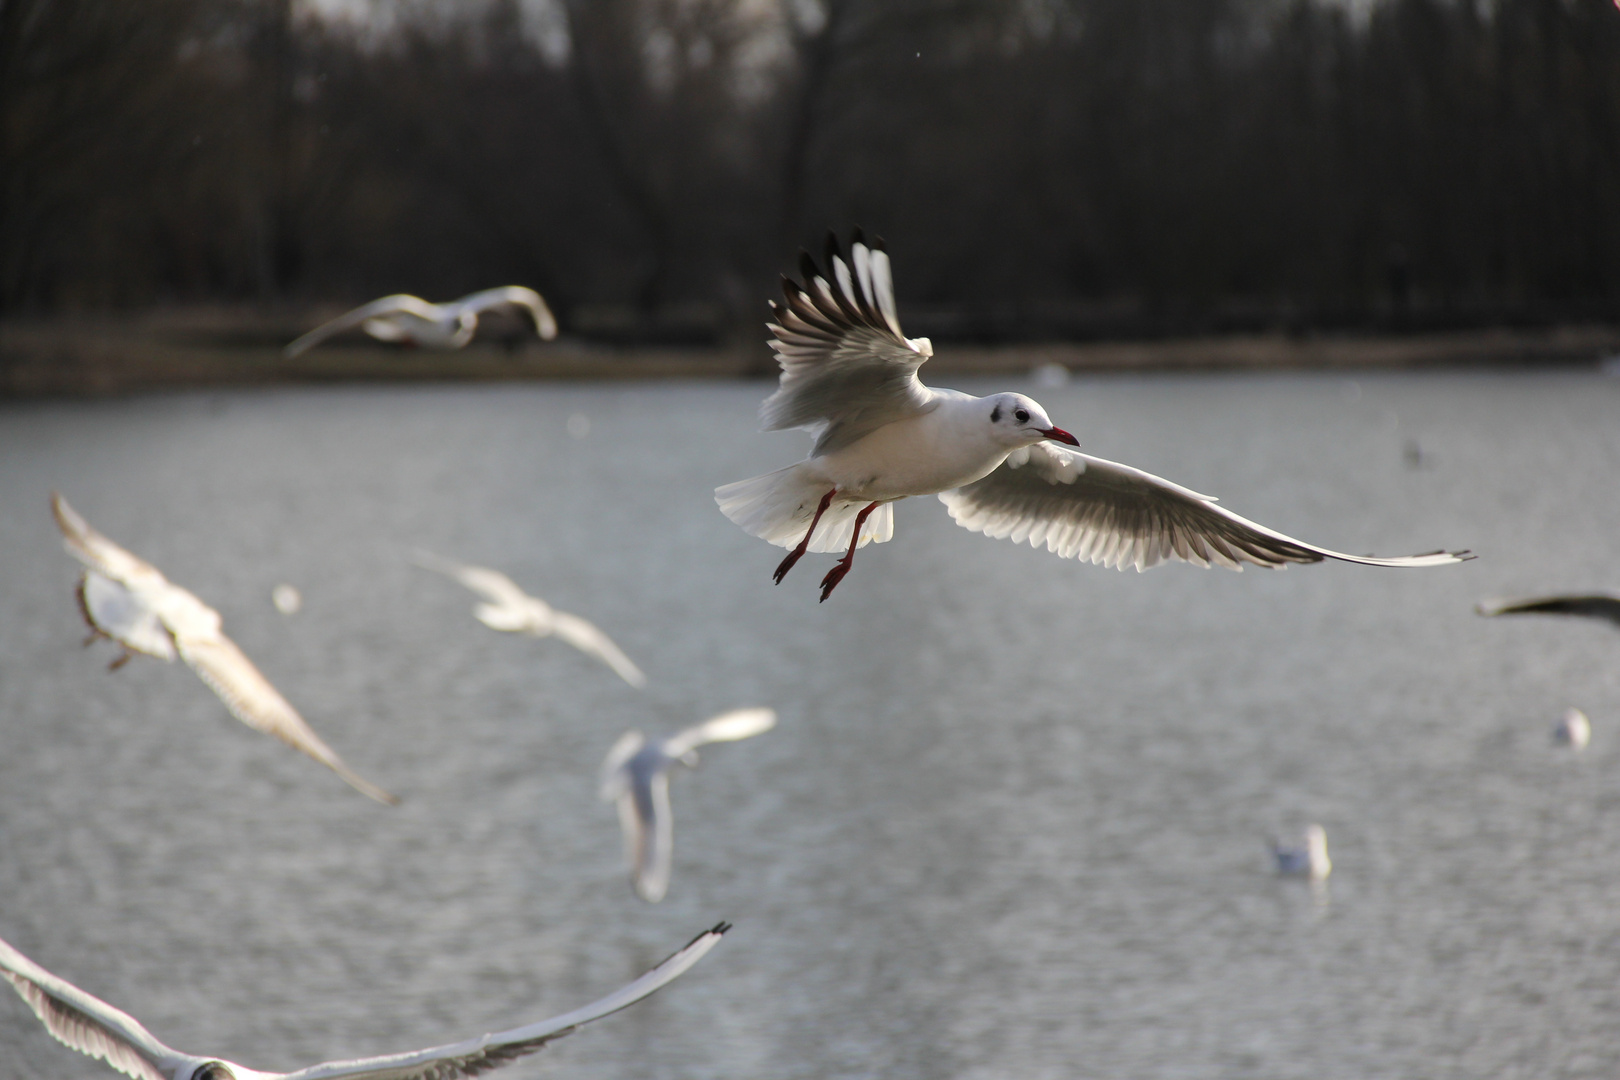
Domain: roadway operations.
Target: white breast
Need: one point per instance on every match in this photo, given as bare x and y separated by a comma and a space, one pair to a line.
920, 455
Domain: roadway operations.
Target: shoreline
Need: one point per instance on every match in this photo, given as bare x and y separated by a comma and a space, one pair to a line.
104, 355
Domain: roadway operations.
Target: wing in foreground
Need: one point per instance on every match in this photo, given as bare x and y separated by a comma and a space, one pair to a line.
1110, 514
480, 1055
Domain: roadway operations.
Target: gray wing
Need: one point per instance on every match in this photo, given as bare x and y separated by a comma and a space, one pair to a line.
585, 637
481, 1055
545, 324
388, 305
85, 1023
1083, 507
252, 700
846, 368
1594, 605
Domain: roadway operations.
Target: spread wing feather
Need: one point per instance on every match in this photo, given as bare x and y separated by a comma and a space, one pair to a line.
477, 1056
1110, 514
1593, 605
399, 303
846, 368
84, 1022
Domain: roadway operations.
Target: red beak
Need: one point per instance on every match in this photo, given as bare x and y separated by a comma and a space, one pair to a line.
1057, 434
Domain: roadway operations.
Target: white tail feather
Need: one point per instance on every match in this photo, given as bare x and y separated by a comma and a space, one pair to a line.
779, 506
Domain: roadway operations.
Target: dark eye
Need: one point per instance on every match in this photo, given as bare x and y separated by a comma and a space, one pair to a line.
1021, 415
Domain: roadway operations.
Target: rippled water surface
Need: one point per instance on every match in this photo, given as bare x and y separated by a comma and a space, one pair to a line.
1011, 824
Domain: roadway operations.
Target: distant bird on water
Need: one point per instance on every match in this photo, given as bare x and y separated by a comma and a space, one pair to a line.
414, 321
509, 608
1310, 860
1573, 731
850, 377
128, 600
85, 1023
1591, 605
635, 776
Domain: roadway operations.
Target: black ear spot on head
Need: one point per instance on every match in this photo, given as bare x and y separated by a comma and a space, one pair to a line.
995, 414
1022, 416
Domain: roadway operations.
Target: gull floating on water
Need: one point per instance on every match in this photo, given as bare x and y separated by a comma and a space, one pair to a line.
509, 608
1573, 731
635, 775
128, 600
1310, 861
89, 1025
1591, 605
412, 320
850, 377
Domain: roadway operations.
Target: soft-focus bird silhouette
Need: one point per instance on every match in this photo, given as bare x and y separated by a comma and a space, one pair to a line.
128, 600
849, 376
635, 776
1574, 730
1307, 860
89, 1025
1591, 605
414, 321
509, 608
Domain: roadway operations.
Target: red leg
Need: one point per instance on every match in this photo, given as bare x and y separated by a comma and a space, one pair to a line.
836, 574
123, 659
793, 556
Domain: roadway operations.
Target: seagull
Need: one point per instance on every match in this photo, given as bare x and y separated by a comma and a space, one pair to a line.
510, 608
635, 775
126, 599
1309, 861
1573, 731
849, 376
89, 1025
412, 320
1593, 605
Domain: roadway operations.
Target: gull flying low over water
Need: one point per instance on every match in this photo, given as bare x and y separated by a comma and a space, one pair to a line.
128, 600
414, 321
635, 775
850, 377
1591, 605
509, 608
89, 1025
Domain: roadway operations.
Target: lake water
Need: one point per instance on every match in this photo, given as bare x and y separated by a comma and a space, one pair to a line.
1012, 823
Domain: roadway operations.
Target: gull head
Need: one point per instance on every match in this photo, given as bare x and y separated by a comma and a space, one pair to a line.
1016, 420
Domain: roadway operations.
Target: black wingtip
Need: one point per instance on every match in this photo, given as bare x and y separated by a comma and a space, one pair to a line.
834, 252
807, 267
858, 237
877, 244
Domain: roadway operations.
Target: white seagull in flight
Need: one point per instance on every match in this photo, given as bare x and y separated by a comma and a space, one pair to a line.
635, 775
509, 608
89, 1025
850, 377
126, 599
411, 319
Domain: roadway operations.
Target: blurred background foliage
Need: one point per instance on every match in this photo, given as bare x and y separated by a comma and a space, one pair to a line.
1073, 168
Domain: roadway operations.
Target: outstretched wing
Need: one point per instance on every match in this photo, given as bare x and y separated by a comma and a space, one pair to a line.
1083, 507
123, 615
252, 700
727, 727
388, 305
476, 1056
545, 324
1593, 605
846, 368
101, 554
585, 637
85, 1023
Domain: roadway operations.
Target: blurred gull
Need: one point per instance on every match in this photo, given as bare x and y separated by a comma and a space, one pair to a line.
635, 775
126, 599
89, 1025
1310, 861
1592, 605
850, 377
509, 608
414, 321
1573, 731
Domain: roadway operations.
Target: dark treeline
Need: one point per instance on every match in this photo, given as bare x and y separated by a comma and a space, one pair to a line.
1082, 167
